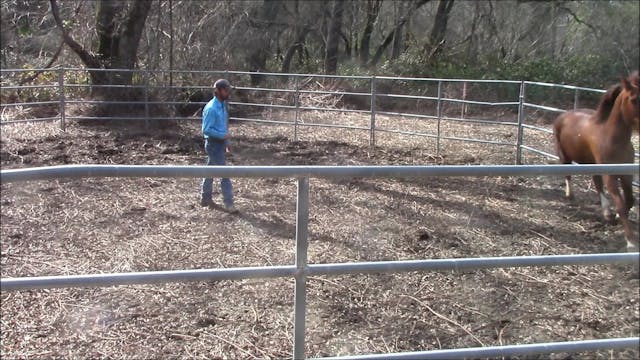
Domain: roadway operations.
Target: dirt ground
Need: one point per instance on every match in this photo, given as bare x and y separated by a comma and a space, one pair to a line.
119, 225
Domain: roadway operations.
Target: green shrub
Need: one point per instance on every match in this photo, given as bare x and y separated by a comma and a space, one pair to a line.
589, 70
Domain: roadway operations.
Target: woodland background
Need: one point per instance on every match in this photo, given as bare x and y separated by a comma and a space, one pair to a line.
586, 43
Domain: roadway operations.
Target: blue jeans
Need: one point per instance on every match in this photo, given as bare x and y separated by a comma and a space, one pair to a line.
215, 156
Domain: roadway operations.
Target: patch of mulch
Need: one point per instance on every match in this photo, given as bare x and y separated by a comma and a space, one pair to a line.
77, 226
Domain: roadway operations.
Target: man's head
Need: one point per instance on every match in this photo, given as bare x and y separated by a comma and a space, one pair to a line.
221, 89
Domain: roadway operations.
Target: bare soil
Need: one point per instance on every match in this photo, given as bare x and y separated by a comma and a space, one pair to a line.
119, 225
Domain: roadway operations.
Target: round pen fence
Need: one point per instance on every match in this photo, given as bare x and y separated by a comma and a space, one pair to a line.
375, 105
513, 108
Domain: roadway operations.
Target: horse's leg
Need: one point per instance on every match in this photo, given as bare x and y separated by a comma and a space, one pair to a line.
568, 192
604, 201
627, 188
612, 184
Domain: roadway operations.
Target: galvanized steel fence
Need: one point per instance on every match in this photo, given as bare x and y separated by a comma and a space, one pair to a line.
301, 270
64, 87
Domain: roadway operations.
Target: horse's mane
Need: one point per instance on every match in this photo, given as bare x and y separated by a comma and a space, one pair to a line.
606, 102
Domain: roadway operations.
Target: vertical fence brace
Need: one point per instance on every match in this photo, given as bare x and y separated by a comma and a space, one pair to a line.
61, 98
297, 105
520, 122
463, 109
302, 244
575, 99
439, 117
372, 135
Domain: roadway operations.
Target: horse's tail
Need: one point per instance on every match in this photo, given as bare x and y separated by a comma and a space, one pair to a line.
557, 129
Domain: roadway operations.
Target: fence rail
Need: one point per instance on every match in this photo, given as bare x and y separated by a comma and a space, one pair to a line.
315, 171
504, 351
301, 269
270, 272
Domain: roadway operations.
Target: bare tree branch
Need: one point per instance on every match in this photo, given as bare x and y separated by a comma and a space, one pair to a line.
87, 58
577, 19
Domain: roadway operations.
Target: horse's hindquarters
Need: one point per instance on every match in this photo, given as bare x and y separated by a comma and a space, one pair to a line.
572, 135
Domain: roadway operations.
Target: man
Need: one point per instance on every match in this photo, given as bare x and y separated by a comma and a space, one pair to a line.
216, 135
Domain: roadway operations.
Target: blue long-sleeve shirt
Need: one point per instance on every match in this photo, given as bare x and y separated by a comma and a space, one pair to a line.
214, 119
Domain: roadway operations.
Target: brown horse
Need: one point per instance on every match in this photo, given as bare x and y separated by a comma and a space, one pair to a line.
603, 136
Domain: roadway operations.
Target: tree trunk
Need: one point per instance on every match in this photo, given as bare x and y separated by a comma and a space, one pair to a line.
155, 45
171, 48
554, 31
106, 28
398, 27
347, 43
260, 48
333, 38
300, 32
396, 48
397, 35
436, 38
373, 9
471, 45
295, 47
127, 39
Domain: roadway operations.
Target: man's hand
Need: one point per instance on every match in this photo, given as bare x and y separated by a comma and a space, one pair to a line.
226, 136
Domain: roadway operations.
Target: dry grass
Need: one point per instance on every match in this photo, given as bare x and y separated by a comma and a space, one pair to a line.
116, 225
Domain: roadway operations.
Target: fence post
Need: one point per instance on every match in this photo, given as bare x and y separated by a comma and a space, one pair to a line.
463, 109
302, 244
575, 100
439, 116
146, 99
63, 125
520, 122
372, 138
297, 105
